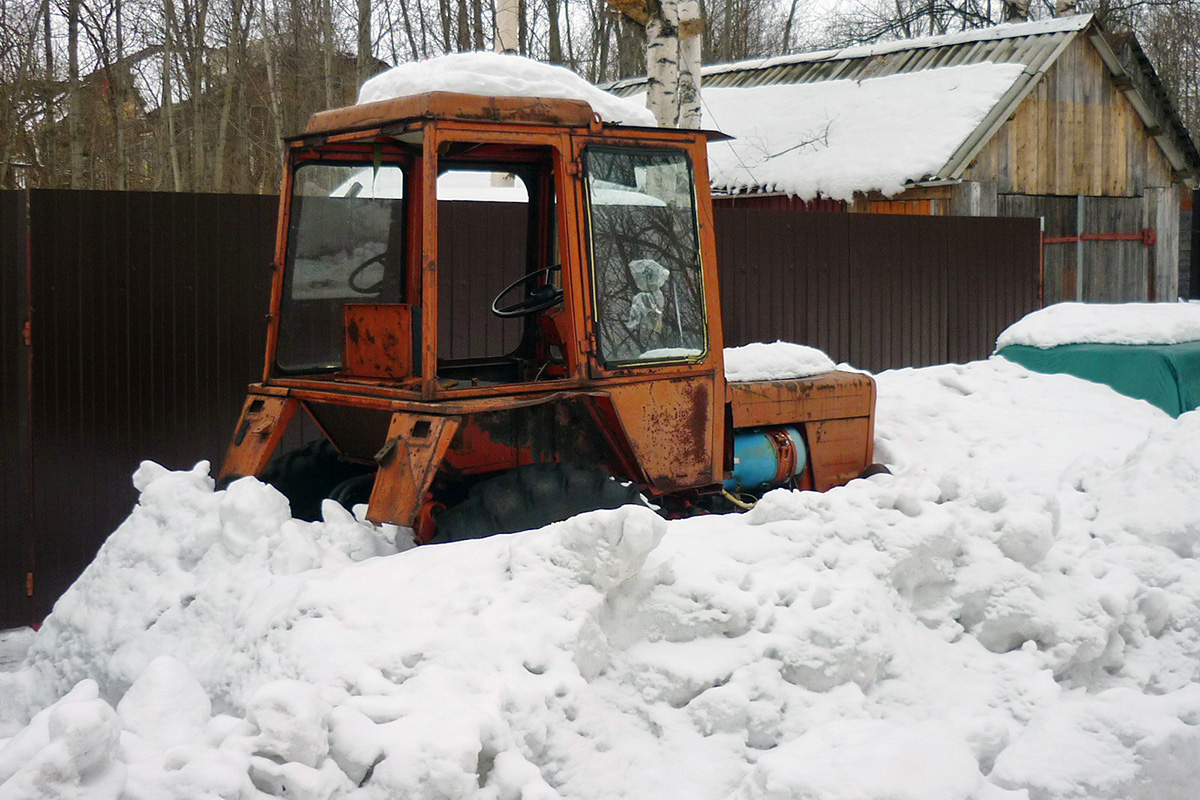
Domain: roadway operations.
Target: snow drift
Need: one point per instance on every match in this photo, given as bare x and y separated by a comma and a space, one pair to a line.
1011, 615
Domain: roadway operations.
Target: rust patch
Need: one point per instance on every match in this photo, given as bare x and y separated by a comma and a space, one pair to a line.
378, 342
563, 430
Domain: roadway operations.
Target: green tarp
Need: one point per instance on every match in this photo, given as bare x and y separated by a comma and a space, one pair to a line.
1166, 375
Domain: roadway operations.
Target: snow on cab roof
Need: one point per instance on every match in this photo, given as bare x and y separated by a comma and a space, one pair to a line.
495, 75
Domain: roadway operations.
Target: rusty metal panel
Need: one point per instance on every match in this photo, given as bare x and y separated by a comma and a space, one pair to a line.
407, 463
833, 395
148, 322
259, 431
379, 340
15, 473
670, 426
839, 450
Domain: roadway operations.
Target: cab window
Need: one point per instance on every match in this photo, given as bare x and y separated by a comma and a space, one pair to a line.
345, 244
645, 256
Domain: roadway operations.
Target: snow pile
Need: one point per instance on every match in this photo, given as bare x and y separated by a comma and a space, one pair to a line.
835, 138
778, 361
1011, 616
495, 75
1100, 323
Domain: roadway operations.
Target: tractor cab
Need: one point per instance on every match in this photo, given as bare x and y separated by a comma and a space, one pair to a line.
443, 257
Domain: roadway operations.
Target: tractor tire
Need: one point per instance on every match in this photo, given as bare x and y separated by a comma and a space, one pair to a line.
309, 474
530, 497
874, 469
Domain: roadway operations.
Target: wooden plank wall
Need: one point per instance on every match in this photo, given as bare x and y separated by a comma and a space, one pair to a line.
1114, 271
1075, 134
1061, 260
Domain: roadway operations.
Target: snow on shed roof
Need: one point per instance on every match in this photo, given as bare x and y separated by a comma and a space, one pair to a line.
1030, 48
839, 137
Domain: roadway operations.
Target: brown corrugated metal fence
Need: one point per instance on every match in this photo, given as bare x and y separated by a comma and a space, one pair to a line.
148, 320
16, 529
876, 291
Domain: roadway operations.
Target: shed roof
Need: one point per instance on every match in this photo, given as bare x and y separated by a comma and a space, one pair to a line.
1033, 46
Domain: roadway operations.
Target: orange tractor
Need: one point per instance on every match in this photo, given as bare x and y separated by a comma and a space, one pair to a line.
501, 312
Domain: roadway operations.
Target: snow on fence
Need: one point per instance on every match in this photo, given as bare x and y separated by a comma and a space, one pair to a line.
148, 320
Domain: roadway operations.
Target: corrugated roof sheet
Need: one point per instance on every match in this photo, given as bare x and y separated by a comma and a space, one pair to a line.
1028, 43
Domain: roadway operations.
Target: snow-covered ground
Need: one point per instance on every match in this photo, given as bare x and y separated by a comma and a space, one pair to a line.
1014, 614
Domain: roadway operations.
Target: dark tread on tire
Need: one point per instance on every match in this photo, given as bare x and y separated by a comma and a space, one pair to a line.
874, 469
530, 497
308, 474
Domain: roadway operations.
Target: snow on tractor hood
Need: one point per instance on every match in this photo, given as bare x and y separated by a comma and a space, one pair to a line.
495, 75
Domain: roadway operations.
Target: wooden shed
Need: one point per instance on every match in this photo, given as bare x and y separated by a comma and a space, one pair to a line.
1054, 119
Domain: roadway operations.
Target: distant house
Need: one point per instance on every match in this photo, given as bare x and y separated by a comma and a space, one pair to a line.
1051, 119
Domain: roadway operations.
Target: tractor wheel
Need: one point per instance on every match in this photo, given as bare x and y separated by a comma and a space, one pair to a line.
309, 474
874, 469
529, 497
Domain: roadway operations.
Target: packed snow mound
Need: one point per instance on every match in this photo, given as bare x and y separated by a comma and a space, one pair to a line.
982, 625
777, 361
495, 75
1105, 323
836, 138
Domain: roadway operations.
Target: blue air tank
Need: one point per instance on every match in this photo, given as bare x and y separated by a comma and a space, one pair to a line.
764, 458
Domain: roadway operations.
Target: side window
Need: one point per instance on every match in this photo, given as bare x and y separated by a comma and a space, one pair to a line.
345, 245
645, 256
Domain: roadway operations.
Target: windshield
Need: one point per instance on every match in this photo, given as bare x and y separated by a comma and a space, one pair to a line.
345, 245
649, 293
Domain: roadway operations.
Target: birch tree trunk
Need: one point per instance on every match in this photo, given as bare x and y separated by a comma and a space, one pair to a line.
673, 31
507, 27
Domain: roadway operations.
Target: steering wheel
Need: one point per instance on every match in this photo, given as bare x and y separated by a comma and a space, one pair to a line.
360, 269
539, 299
